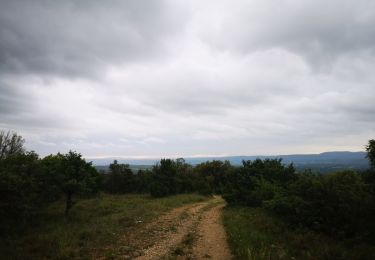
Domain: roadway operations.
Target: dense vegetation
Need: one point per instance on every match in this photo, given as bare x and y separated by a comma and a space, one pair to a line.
168, 177
28, 184
255, 234
339, 205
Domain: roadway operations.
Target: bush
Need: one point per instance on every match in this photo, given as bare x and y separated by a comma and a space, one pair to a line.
347, 205
337, 204
340, 204
21, 190
257, 181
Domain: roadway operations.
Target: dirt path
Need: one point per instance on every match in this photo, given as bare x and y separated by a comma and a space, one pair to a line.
211, 238
190, 232
175, 226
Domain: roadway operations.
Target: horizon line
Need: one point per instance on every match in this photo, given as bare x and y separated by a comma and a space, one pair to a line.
141, 157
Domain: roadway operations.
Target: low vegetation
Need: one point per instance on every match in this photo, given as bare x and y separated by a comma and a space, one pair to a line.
93, 226
254, 234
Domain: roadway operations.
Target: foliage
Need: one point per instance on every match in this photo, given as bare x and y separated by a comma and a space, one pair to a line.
20, 190
120, 179
330, 203
10, 144
257, 181
164, 178
176, 176
255, 234
213, 176
72, 175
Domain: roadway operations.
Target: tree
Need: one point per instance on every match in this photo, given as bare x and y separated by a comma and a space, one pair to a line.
164, 178
10, 144
370, 149
20, 190
73, 176
120, 179
214, 174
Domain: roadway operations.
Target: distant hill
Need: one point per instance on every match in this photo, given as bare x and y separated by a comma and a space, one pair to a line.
323, 162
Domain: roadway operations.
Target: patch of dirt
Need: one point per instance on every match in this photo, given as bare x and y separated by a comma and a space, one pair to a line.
211, 239
170, 230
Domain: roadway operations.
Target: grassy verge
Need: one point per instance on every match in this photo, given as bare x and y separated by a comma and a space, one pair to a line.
92, 223
253, 234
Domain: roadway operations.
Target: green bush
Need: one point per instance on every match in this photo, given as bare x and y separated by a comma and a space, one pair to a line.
337, 204
257, 181
21, 190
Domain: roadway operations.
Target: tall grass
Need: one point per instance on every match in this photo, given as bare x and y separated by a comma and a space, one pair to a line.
91, 224
255, 235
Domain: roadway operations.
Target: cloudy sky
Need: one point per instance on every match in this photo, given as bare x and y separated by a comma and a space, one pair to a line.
187, 78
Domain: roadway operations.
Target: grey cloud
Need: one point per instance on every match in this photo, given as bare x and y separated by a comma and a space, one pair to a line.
320, 31
78, 38
201, 91
11, 101
16, 107
222, 77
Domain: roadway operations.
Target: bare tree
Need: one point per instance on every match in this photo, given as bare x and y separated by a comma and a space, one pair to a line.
10, 143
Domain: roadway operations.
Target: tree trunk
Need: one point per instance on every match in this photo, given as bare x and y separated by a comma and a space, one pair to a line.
69, 203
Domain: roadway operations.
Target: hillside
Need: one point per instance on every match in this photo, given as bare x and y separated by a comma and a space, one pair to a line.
323, 162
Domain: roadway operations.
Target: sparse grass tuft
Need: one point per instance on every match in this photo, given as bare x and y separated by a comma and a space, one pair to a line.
183, 249
178, 251
189, 239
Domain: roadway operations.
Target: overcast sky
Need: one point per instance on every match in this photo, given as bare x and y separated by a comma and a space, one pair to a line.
188, 78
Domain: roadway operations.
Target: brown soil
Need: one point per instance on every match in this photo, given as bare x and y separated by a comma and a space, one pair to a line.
211, 238
171, 229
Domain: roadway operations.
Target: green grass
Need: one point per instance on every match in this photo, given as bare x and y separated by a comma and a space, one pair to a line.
253, 234
92, 224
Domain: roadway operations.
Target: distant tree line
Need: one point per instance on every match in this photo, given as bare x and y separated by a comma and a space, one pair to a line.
168, 177
341, 204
